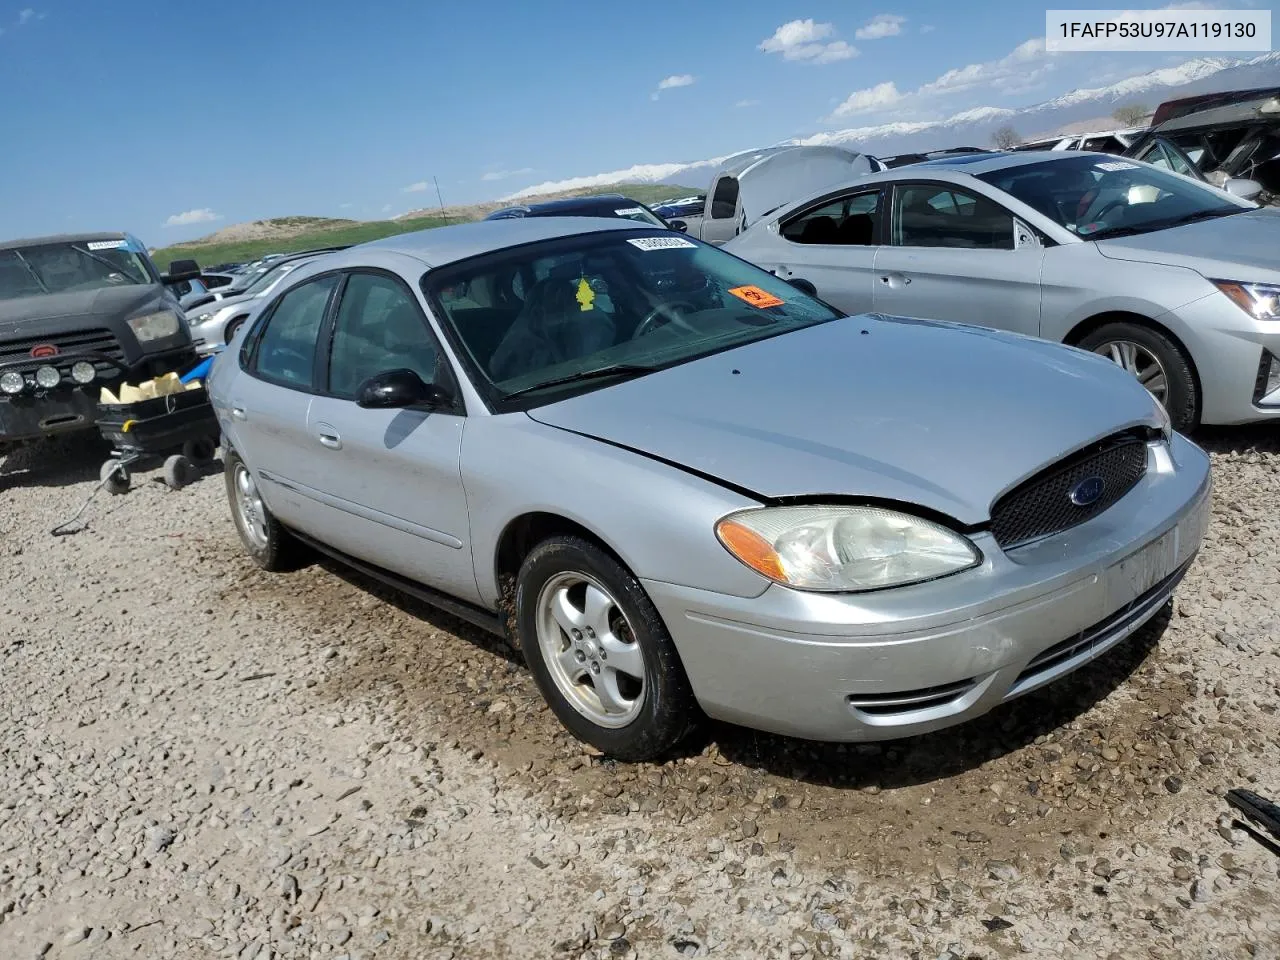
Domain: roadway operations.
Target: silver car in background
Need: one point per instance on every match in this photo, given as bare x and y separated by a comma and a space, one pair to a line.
681, 486
1175, 280
215, 321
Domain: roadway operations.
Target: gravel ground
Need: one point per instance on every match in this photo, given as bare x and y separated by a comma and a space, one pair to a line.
201, 760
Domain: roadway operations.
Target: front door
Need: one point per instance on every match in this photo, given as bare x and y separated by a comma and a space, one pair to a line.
392, 477
721, 223
958, 255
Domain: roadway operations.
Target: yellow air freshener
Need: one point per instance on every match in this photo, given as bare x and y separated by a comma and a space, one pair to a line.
586, 296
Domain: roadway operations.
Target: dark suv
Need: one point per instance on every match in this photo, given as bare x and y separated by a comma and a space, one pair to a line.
78, 311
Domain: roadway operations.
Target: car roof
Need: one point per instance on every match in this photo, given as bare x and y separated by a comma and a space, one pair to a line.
437, 246
62, 238
1244, 111
552, 207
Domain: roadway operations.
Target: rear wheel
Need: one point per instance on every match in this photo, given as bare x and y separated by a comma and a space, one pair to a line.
600, 653
269, 543
1156, 362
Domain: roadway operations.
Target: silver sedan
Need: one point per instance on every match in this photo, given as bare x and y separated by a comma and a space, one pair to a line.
683, 487
1173, 279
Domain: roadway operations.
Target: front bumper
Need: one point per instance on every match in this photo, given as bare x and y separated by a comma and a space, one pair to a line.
37, 413
907, 661
1228, 347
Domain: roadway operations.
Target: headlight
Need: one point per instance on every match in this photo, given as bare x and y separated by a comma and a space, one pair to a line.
48, 377
154, 326
1260, 300
842, 549
204, 318
12, 382
82, 372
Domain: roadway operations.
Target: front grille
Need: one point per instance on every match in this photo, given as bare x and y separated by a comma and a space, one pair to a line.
1042, 505
69, 345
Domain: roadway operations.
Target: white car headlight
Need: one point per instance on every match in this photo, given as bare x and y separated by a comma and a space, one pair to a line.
843, 549
1259, 300
155, 326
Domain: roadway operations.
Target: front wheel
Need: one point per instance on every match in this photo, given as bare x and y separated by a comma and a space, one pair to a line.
1156, 362
599, 652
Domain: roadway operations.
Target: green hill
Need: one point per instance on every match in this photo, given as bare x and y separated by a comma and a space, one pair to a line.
247, 241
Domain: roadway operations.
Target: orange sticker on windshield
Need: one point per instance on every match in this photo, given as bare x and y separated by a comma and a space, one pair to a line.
756, 297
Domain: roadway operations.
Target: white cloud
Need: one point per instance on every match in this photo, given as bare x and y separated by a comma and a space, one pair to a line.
345, 206
808, 42
989, 73
880, 26
640, 173
747, 103
386, 208
203, 215
420, 187
928, 28
504, 174
673, 81
26, 15
879, 97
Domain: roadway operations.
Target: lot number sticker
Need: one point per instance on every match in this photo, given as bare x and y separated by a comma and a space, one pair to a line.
762, 299
1111, 166
106, 244
660, 243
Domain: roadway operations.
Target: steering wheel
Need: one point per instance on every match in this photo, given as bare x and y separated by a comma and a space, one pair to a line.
650, 321
1108, 207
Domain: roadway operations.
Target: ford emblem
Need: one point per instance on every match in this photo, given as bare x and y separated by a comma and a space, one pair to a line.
1088, 491
43, 351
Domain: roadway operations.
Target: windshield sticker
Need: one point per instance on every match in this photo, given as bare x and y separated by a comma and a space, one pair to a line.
1087, 228
628, 212
586, 296
1111, 166
761, 299
106, 244
661, 243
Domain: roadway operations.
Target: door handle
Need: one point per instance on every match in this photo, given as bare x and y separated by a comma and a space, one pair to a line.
328, 436
237, 413
900, 278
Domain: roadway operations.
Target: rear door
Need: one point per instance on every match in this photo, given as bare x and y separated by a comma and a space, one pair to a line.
271, 399
833, 245
955, 254
391, 479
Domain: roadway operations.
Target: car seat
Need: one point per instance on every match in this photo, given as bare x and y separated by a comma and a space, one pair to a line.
551, 329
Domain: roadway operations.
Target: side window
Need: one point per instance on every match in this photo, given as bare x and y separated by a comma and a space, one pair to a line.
1155, 156
848, 221
938, 215
286, 350
725, 199
379, 327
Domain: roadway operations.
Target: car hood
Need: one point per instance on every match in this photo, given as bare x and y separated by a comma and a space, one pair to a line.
794, 174
944, 416
212, 306
104, 305
1245, 246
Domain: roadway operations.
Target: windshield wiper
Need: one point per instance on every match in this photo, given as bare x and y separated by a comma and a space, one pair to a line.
31, 270
1166, 224
113, 267
626, 370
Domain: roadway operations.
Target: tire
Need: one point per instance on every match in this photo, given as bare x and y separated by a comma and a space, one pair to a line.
1181, 395
264, 538
200, 451
114, 478
644, 704
178, 472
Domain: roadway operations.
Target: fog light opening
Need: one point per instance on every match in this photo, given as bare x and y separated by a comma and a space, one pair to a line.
1266, 391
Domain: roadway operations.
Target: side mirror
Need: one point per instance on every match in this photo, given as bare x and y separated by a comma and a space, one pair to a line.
396, 389
679, 226
1242, 188
804, 286
180, 270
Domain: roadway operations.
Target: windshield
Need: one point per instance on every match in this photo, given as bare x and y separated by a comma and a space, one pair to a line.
1097, 196
67, 267
645, 299
268, 278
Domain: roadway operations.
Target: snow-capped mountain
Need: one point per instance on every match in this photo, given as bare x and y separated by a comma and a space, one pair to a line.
974, 127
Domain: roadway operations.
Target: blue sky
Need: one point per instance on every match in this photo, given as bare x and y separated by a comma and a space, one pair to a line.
170, 120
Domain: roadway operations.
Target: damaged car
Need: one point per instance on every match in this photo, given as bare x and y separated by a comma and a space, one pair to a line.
683, 487
78, 312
